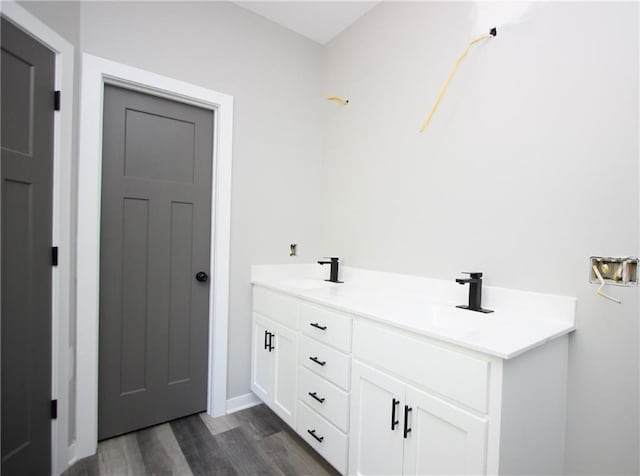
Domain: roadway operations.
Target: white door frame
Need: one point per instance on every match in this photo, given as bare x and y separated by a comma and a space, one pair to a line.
95, 73
61, 358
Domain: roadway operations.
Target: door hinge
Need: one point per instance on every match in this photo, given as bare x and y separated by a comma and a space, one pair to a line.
54, 409
54, 256
56, 100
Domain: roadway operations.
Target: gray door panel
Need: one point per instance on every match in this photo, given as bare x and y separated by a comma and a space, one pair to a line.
155, 236
27, 82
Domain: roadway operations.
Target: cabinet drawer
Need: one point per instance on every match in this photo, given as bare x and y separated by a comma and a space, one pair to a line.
330, 442
327, 399
325, 361
276, 306
327, 326
453, 374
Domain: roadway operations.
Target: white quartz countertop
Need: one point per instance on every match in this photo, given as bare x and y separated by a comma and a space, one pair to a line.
521, 320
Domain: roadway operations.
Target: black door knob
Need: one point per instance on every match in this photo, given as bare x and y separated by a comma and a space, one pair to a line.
202, 276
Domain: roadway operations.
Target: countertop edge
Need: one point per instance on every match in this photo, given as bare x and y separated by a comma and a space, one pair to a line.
466, 345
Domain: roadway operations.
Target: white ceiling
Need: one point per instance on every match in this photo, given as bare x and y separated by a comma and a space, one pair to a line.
320, 21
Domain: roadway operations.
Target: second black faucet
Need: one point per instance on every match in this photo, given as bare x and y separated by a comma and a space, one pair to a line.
333, 274
475, 292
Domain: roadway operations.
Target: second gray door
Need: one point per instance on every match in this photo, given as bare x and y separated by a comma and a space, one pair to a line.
155, 239
26, 178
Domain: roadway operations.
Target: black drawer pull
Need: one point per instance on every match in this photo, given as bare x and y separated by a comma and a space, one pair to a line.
319, 362
266, 339
271, 336
407, 430
313, 433
394, 422
318, 326
315, 396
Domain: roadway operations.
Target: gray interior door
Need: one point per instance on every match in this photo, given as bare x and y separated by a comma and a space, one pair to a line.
155, 238
27, 180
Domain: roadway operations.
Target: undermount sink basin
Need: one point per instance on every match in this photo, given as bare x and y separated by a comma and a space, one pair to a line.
415, 312
307, 284
450, 318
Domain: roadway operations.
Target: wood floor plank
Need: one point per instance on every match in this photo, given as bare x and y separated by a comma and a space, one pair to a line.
120, 456
220, 424
293, 456
262, 421
200, 449
161, 452
88, 466
253, 441
244, 454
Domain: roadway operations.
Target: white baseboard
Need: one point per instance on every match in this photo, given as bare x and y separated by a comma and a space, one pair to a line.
247, 400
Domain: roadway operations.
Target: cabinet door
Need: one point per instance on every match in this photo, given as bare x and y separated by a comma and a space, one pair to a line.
444, 439
285, 392
374, 447
262, 365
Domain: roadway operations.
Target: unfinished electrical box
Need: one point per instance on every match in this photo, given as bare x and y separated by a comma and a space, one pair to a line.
620, 271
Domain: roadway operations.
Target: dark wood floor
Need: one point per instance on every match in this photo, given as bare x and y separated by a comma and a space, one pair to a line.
252, 441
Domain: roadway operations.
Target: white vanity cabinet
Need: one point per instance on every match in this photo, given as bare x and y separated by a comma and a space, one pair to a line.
324, 381
442, 438
399, 429
274, 352
393, 396
420, 406
301, 368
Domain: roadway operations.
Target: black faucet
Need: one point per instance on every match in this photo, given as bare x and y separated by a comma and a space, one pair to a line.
475, 292
333, 276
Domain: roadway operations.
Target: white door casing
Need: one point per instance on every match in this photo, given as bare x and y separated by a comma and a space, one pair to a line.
95, 73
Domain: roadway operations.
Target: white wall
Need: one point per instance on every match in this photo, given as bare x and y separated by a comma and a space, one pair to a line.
529, 167
63, 17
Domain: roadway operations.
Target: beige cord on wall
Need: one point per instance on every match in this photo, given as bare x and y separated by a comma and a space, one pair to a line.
492, 33
599, 291
342, 101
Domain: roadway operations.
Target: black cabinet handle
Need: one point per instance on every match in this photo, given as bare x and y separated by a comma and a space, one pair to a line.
266, 340
319, 362
271, 346
394, 422
407, 430
318, 326
313, 433
202, 277
315, 396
